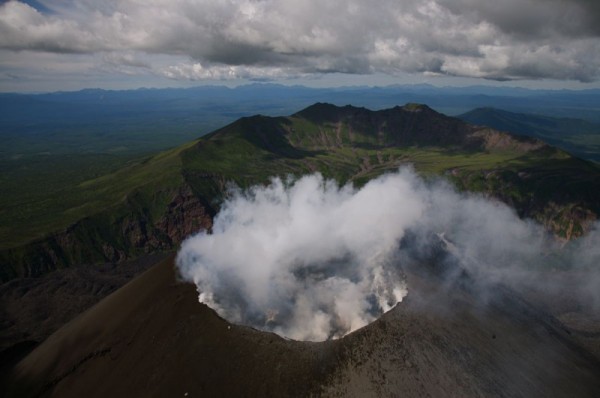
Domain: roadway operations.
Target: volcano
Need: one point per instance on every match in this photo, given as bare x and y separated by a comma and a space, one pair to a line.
152, 338
453, 334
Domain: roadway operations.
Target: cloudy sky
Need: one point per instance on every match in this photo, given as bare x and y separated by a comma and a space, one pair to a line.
70, 44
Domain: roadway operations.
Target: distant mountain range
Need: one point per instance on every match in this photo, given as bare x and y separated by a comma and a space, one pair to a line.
146, 120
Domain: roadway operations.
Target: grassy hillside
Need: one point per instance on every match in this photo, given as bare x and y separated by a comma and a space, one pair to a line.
152, 204
253, 149
31, 208
354, 144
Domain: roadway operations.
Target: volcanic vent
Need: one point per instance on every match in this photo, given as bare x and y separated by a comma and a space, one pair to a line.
307, 259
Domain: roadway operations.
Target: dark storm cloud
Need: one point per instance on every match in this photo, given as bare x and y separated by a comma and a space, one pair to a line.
591, 16
533, 19
525, 39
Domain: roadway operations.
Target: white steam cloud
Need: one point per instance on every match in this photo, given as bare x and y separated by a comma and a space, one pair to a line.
310, 260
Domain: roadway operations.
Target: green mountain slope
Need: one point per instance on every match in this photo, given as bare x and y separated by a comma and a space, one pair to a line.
154, 204
579, 137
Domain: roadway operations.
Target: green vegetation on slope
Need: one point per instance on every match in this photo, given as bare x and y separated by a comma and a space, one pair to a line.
48, 197
525, 174
130, 210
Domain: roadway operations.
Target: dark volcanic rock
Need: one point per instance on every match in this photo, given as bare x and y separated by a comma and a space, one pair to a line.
185, 216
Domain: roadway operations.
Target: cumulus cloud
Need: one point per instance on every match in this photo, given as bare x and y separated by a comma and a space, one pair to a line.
196, 71
311, 260
24, 28
256, 37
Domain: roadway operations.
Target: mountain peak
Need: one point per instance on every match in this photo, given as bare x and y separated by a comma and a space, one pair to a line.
416, 107
410, 124
327, 112
323, 111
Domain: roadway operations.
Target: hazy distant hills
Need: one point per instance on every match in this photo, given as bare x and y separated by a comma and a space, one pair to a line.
145, 120
579, 137
153, 204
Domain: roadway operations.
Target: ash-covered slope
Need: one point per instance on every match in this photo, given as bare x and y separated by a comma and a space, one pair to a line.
152, 338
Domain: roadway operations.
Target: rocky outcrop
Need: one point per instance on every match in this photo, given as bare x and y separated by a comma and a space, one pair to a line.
566, 221
501, 141
562, 214
185, 215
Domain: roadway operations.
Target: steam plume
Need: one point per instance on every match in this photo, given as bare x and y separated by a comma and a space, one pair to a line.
306, 259
311, 260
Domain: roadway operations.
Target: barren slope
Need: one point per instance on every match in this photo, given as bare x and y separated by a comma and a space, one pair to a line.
153, 338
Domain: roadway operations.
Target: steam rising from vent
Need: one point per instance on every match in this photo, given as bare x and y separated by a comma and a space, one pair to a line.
310, 260
306, 259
